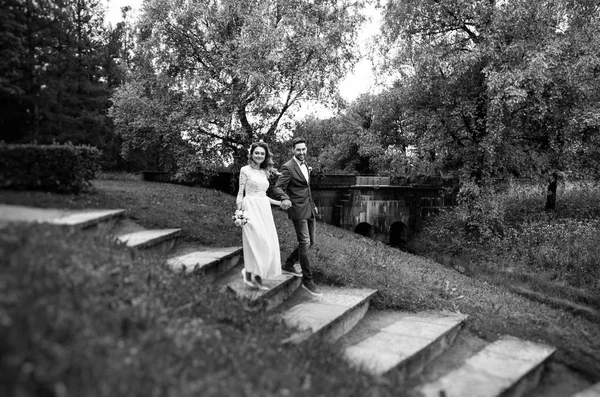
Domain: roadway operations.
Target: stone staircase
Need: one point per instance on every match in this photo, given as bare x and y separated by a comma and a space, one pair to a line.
394, 344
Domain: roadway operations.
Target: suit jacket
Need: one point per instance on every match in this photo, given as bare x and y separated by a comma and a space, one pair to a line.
291, 185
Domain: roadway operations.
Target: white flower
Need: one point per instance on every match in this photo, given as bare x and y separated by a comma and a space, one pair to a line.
239, 219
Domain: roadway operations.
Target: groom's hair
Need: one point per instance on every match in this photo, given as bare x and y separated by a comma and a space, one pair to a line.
297, 140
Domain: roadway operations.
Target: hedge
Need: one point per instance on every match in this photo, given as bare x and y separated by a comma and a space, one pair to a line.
56, 168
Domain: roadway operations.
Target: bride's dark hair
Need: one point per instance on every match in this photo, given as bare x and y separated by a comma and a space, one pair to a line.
268, 163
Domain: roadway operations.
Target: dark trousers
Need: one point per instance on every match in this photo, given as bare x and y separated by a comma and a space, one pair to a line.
305, 232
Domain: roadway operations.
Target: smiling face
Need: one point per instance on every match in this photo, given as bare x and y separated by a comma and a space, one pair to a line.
258, 155
300, 151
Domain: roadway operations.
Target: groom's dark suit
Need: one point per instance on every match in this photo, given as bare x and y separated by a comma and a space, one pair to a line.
292, 185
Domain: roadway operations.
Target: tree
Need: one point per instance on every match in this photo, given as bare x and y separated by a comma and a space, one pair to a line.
239, 66
498, 88
55, 74
334, 144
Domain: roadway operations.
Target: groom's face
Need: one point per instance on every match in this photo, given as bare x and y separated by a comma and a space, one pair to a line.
300, 151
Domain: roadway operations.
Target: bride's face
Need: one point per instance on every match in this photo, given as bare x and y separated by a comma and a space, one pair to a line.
258, 155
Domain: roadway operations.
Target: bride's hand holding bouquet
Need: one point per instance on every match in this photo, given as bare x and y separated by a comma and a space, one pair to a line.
239, 218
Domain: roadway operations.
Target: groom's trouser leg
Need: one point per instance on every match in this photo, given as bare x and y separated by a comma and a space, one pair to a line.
305, 232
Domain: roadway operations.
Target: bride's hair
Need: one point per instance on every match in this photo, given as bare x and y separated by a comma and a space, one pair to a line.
268, 163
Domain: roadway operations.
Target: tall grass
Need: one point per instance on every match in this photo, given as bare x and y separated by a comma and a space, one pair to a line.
83, 316
105, 321
518, 237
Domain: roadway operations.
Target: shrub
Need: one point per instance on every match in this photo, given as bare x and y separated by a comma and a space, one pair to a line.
511, 231
56, 168
566, 250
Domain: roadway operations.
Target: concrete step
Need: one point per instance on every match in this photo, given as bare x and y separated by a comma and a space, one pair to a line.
592, 391
400, 342
55, 216
209, 263
280, 288
162, 239
329, 316
507, 367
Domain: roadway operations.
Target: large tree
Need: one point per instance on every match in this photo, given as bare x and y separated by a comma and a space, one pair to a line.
498, 88
56, 73
235, 68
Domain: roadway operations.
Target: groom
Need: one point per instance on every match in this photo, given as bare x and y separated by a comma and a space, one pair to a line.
293, 189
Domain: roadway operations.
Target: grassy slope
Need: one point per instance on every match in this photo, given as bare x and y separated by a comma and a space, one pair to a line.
404, 281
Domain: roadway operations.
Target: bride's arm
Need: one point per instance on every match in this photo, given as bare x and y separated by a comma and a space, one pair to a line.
242, 187
274, 202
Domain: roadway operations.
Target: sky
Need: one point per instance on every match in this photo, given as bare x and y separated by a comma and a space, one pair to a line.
361, 80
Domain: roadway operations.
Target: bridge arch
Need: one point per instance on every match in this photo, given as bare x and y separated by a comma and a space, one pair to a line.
398, 234
365, 229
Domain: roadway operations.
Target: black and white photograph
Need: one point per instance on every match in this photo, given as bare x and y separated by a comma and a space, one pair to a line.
312, 198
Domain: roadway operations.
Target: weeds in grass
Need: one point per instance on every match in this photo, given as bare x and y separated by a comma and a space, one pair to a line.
101, 322
561, 246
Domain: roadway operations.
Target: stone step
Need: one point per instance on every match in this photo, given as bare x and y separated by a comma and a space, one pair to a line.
592, 391
55, 216
206, 262
87, 219
507, 367
329, 316
162, 239
280, 288
400, 341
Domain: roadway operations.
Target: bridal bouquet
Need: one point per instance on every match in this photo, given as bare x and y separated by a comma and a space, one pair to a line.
239, 219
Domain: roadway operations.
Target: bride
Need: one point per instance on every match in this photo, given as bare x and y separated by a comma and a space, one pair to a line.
262, 257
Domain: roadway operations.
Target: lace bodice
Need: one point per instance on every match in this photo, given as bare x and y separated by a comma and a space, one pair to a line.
253, 182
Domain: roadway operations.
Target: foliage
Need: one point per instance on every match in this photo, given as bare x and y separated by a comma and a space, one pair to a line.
493, 90
364, 137
333, 145
226, 72
55, 168
57, 74
100, 322
518, 237
243, 357
150, 120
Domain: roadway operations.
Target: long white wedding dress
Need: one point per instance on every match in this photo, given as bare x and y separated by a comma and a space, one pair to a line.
261, 244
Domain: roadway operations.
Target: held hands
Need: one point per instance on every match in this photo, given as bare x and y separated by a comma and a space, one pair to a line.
285, 204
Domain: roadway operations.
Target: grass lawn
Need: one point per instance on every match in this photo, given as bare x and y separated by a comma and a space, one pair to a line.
100, 321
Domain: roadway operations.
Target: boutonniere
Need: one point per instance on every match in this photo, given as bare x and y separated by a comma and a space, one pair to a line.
309, 169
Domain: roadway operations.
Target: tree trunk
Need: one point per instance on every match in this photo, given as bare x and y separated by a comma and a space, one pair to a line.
551, 193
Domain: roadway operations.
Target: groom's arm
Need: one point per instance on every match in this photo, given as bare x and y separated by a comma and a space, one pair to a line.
282, 184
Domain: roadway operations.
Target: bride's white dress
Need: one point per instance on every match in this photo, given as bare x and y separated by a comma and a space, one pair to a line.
259, 236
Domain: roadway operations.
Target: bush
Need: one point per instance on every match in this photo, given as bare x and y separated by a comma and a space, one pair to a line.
56, 168
510, 231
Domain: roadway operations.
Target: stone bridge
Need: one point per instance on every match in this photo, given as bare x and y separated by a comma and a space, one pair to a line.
370, 206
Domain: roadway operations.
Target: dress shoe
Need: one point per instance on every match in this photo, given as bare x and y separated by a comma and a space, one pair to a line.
311, 287
256, 280
291, 270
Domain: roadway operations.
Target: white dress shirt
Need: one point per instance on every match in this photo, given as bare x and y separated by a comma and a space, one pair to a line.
303, 168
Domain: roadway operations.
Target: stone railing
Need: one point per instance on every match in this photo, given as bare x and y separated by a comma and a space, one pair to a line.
372, 180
